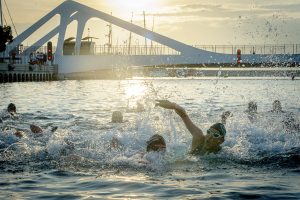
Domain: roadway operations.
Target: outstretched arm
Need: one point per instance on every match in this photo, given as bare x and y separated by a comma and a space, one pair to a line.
224, 116
194, 130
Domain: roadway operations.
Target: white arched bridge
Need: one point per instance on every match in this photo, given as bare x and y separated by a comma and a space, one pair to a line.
70, 11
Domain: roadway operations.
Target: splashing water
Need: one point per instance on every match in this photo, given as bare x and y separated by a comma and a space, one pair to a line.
77, 160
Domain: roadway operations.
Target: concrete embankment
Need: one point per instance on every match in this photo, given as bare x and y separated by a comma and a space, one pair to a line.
226, 72
23, 72
168, 71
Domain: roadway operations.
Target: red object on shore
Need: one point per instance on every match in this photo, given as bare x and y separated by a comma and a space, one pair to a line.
49, 51
238, 55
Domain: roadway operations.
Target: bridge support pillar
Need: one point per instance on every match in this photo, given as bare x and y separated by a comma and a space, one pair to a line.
80, 28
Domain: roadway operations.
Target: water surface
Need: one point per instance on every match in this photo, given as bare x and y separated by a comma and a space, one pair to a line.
259, 160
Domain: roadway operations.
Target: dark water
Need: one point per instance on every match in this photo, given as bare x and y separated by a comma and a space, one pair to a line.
259, 160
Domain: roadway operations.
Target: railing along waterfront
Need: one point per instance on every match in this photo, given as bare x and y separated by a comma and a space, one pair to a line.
164, 50
253, 49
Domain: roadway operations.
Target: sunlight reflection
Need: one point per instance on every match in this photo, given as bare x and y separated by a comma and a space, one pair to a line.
135, 90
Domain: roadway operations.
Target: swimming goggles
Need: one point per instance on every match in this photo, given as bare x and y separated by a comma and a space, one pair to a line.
215, 133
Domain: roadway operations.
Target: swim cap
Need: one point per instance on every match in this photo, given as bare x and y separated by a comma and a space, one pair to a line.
252, 106
277, 106
117, 117
218, 127
35, 128
11, 108
155, 143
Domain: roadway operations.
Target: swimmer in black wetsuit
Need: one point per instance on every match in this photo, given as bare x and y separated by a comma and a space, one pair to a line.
252, 111
289, 121
9, 113
201, 144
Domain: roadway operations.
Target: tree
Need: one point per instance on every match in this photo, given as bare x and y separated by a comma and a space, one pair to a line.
5, 37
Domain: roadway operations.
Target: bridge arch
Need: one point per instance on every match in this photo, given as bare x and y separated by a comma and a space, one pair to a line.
70, 11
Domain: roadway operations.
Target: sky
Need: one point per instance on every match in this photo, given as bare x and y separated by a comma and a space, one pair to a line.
194, 22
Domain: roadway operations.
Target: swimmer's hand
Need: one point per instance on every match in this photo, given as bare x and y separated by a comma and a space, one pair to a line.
13, 115
169, 105
165, 104
226, 114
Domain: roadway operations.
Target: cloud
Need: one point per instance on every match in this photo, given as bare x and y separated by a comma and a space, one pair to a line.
201, 6
294, 7
229, 12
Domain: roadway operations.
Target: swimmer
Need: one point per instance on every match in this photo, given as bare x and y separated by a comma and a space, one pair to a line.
252, 111
288, 119
19, 134
10, 137
36, 129
139, 108
277, 108
10, 112
117, 117
201, 144
290, 124
39, 131
11, 109
156, 143
115, 144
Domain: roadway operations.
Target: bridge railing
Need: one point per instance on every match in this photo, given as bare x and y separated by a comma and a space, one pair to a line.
164, 50
253, 49
135, 50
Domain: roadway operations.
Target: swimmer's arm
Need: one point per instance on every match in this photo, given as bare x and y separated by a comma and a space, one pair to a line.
224, 116
194, 130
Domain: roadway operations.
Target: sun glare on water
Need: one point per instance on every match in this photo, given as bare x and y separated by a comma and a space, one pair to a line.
135, 90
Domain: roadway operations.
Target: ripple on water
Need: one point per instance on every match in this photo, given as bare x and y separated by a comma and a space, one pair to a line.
251, 154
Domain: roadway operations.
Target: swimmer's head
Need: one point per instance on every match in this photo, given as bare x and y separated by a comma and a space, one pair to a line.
36, 129
215, 135
117, 117
140, 107
156, 143
115, 143
217, 130
19, 134
277, 106
11, 108
252, 106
